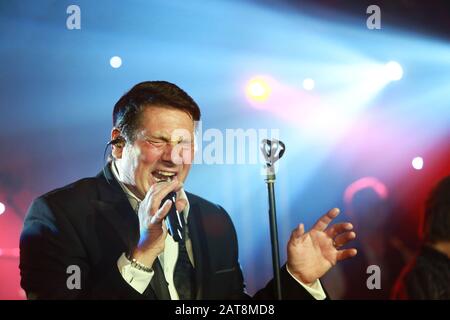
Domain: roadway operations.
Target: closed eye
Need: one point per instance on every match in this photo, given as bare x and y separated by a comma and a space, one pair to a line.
156, 143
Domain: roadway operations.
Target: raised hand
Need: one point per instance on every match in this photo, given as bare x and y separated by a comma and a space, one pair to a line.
312, 254
153, 231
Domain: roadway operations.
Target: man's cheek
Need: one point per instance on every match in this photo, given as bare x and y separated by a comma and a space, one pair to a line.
185, 171
149, 157
181, 155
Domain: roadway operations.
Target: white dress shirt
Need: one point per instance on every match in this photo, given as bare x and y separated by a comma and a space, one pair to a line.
139, 279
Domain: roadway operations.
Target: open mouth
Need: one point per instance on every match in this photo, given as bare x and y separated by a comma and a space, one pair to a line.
166, 176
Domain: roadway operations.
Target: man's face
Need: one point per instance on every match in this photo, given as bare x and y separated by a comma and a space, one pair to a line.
161, 151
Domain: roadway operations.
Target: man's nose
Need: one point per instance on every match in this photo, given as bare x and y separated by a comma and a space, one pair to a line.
170, 153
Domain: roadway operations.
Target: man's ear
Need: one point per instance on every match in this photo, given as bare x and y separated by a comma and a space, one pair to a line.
117, 146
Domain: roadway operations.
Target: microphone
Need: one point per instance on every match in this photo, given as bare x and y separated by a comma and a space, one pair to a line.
174, 219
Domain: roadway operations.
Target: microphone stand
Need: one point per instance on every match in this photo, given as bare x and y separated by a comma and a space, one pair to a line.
272, 151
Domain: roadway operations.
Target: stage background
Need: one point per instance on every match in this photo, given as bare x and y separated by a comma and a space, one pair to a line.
356, 127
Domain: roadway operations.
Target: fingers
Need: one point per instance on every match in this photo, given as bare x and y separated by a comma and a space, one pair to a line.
325, 220
165, 232
344, 238
345, 254
299, 231
159, 191
161, 213
338, 228
159, 216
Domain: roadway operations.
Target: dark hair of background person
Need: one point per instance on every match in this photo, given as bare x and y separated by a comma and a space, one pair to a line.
437, 213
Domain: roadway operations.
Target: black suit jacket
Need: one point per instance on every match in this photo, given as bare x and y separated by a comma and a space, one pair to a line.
90, 223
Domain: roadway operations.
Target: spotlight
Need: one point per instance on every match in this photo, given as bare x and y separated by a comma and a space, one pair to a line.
258, 89
393, 70
2, 208
115, 62
308, 84
417, 163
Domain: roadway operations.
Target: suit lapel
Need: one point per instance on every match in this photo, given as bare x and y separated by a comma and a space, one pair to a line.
122, 217
198, 247
114, 206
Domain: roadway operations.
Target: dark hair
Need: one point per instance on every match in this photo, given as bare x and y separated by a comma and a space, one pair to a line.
127, 111
437, 213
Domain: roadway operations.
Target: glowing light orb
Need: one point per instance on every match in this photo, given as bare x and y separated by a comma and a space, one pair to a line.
393, 70
258, 89
115, 62
417, 163
308, 84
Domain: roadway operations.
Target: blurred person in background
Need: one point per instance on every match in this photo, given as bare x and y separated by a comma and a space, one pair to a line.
379, 243
428, 275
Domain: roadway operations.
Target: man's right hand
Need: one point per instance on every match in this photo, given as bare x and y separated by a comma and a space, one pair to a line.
153, 231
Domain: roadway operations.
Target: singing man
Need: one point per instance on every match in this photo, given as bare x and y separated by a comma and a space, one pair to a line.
104, 237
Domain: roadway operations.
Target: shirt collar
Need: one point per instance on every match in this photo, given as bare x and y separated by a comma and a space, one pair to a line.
135, 201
